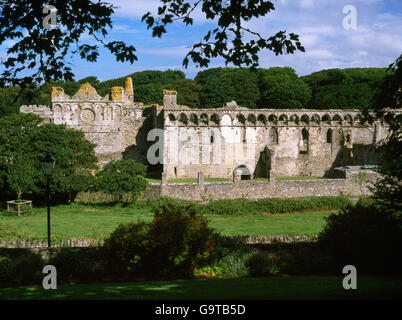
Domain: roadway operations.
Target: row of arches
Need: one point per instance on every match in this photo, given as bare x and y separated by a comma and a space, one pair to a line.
103, 112
260, 119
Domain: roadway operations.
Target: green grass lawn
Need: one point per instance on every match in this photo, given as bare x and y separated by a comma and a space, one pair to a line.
86, 222
276, 287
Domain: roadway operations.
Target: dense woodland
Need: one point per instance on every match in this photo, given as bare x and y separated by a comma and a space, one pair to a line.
277, 87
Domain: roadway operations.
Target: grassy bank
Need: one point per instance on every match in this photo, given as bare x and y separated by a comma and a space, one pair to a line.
276, 287
86, 222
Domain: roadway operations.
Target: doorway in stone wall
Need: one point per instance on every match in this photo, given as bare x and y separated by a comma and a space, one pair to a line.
263, 164
245, 172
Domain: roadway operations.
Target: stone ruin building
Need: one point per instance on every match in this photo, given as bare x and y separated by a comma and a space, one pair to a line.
216, 142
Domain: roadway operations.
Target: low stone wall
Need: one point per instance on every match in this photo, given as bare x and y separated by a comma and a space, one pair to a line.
18, 243
40, 247
354, 183
86, 243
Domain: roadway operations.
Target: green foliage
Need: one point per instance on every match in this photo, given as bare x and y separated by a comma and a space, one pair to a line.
343, 89
32, 40
308, 259
281, 88
388, 189
75, 156
243, 206
174, 244
389, 93
363, 236
148, 85
188, 92
227, 39
6, 271
122, 176
126, 250
214, 271
21, 174
235, 261
228, 84
21, 269
261, 265
272, 205
183, 241
77, 264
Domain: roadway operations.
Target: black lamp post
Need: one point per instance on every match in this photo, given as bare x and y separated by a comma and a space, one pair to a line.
47, 165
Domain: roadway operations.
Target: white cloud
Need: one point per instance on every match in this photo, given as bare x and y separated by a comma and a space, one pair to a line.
135, 9
179, 51
375, 43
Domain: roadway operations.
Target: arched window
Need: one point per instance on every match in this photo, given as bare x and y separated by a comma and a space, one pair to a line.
329, 136
305, 136
305, 141
273, 135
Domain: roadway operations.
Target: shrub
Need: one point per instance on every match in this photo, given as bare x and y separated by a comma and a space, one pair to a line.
27, 269
363, 236
254, 207
235, 261
231, 207
274, 205
183, 241
20, 268
175, 243
214, 271
126, 250
6, 271
260, 265
158, 204
121, 177
77, 264
307, 259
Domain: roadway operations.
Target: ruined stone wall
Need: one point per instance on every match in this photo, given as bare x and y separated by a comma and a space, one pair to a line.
288, 142
115, 124
350, 183
217, 142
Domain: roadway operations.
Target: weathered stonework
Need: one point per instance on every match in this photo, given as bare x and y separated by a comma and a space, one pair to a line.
218, 142
350, 183
112, 124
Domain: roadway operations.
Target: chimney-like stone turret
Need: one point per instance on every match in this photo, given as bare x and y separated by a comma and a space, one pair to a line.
129, 89
169, 99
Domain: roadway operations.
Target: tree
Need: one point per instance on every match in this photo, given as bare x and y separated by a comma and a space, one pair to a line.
389, 97
227, 39
20, 175
282, 88
228, 84
149, 93
40, 53
43, 51
343, 88
121, 177
26, 134
188, 92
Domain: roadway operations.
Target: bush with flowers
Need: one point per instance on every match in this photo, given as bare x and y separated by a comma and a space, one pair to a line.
174, 244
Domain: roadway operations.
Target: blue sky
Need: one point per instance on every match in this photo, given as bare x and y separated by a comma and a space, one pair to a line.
376, 42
